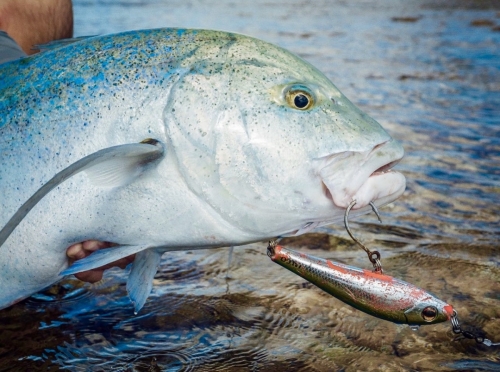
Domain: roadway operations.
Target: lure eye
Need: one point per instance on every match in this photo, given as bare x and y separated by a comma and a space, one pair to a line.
299, 99
429, 313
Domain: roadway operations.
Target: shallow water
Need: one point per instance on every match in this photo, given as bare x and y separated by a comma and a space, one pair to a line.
429, 72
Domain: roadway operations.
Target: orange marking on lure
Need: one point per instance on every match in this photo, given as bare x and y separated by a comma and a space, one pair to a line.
278, 254
335, 267
448, 310
385, 278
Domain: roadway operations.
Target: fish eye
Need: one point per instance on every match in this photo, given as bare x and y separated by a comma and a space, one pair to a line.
299, 98
429, 313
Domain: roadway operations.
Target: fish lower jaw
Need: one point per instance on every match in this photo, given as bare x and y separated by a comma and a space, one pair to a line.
381, 187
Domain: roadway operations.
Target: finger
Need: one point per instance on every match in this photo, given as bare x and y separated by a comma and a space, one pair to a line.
90, 276
76, 252
83, 249
94, 245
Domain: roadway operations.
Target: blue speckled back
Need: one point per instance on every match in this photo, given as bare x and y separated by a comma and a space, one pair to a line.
59, 79
71, 100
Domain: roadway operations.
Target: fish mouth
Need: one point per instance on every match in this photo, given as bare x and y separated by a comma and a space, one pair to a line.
363, 176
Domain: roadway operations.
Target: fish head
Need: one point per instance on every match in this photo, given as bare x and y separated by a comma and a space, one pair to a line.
429, 311
271, 143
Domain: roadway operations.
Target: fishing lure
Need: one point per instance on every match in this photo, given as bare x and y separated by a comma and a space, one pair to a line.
372, 292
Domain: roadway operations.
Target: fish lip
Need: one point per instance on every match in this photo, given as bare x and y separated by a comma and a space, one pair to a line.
388, 166
360, 183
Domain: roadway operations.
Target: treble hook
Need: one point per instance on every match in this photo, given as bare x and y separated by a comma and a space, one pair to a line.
374, 256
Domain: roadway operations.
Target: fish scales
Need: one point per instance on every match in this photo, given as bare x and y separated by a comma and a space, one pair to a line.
174, 139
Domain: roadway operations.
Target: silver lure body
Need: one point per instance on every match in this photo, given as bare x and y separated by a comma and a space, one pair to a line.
376, 294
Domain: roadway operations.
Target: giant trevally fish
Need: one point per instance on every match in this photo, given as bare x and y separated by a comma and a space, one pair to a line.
173, 139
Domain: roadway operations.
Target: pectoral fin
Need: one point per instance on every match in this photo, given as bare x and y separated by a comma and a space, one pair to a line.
129, 162
103, 257
140, 280
114, 166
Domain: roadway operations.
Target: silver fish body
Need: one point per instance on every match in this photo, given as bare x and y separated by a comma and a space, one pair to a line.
376, 294
255, 143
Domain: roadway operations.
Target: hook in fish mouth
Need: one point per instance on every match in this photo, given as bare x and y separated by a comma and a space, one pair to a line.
373, 256
363, 176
